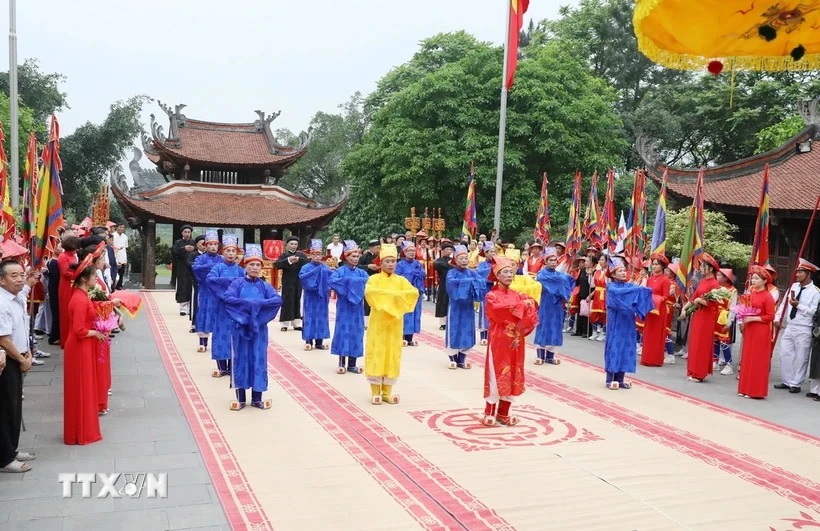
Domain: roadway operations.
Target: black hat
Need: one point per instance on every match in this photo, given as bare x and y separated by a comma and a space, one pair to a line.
293, 239
199, 238
190, 228
447, 244
374, 243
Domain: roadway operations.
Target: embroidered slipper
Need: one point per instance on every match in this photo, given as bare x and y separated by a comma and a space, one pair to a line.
15, 467
25, 456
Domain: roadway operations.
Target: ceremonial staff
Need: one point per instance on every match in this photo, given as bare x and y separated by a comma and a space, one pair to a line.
14, 106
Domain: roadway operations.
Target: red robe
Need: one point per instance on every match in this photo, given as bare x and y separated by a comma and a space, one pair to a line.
534, 265
701, 332
654, 330
512, 316
597, 310
103, 363
756, 352
65, 290
81, 420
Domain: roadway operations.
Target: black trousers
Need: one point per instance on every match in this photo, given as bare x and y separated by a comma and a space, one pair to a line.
120, 275
11, 411
54, 334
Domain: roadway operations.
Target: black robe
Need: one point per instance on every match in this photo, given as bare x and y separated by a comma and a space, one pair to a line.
183, 273
365, 260
291, 285
814, 357
442, 265
582, 321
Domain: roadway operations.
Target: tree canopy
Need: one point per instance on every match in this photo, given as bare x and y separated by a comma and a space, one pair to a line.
718, 237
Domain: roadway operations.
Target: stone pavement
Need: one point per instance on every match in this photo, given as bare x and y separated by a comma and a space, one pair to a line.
145, 431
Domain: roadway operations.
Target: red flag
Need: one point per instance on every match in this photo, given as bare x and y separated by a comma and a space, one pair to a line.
760, 247
609, 225
31, 175
517, 10
542, 222
7, 228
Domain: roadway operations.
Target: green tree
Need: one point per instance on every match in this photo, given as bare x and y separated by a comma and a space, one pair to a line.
439, 111
40, 92
776, 135
27, 123
90, 152
718, 237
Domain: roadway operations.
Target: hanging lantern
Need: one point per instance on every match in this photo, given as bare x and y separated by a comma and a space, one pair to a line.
714, 67
766, 35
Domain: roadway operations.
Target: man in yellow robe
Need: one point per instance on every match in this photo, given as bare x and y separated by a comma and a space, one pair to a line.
390, 296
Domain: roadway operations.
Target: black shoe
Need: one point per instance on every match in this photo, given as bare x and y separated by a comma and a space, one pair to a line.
811, 395
781, 386
794, 390
442, 327
817, 398
193, 330
297, 328
283, 329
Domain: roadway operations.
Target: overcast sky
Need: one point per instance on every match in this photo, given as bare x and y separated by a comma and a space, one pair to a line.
225, 59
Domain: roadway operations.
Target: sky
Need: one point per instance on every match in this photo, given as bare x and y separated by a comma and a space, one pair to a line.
226, 59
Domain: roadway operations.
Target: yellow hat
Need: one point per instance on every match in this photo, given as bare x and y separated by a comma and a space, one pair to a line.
388, 250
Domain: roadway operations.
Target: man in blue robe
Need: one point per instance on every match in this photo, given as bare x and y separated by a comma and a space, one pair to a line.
483, 269
624, 302
315, 279
556, 288
251, 303
413, 271
206, 299
348, 282
218, 281
464, 288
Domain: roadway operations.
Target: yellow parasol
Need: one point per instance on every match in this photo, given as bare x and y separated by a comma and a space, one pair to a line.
766, 35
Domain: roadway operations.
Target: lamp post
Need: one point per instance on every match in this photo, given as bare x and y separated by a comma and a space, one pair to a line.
13, 106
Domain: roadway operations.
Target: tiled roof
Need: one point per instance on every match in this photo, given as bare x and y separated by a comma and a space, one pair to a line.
794, 179
221, 205
228, 144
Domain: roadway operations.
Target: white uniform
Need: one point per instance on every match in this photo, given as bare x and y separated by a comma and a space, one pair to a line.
795, 345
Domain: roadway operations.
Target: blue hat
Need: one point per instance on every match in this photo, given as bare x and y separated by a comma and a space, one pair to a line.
253, 251
230, 240
211, 236
407, 244
488, 245
459, 249
350, 245
316, 245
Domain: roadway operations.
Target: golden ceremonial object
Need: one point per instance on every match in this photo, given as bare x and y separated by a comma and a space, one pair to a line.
426, 223
412, 223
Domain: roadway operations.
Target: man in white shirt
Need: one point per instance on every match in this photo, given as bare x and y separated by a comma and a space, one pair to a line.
121, 253
14, 342
800, 304
334, 248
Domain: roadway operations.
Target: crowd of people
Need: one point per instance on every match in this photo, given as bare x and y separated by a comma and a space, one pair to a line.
84, 267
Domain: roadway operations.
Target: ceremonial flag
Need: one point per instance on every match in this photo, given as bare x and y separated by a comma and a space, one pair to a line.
592, 231
31, 174
517, 10
7, 228
621, 238
470, 225
574, 224
542, 222
48, 205
760, 247
636, 222
659, 230
692, 247
609, 228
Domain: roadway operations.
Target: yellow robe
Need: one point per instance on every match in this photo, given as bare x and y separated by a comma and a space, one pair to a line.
389, 297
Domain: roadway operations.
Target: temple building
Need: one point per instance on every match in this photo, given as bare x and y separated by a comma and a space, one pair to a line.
220, 175
734, 189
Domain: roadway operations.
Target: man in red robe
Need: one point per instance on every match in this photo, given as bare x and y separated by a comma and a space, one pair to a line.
512, 317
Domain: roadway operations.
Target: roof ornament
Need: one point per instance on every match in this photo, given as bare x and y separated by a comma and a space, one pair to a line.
117, 178
156, 130
147, 144
265, 121
647, 148
176, 119
809, 111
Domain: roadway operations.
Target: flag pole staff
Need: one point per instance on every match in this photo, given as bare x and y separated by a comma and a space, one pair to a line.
779, 322
502, 128
14, 110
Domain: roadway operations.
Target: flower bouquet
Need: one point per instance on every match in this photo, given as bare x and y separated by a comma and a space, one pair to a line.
744, 308
106, 320
716, 295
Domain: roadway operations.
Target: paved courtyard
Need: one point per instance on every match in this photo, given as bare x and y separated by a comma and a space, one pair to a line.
668, 454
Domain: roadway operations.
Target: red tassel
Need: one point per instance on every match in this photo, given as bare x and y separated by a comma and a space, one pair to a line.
715, 67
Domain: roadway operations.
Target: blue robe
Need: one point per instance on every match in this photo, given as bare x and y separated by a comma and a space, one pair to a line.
251, 305
464, 287
413, 271
556, 288
206, 300
218, 281
624, 302
483, 269
348, 333
315, 279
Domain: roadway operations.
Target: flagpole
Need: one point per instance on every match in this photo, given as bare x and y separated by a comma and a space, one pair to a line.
502, 128
13, 106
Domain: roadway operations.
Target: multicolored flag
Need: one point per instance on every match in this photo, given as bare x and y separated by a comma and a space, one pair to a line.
609, 227
592, 231
574, 224
692, 247
31, 174
470, 225
517, 10
659, 230
542, 221
7, 228
621, 238
636, 222
48, 205
760, 246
